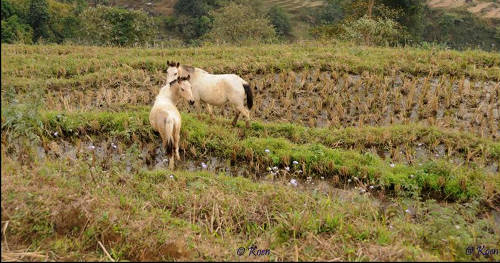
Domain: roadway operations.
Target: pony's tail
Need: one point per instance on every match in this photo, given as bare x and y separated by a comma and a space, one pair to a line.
168, 138
248, 91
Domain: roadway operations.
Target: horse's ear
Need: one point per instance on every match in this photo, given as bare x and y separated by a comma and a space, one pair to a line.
168, 62
178, 64
188, 77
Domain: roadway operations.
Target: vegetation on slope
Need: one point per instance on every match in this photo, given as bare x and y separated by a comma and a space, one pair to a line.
70, 209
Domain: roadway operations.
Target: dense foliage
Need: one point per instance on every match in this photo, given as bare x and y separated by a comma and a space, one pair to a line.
380, 32
404, 22
280, 20
112, 26
239, 24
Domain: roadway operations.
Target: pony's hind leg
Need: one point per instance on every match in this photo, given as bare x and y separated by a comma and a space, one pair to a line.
235, 120
243, 110
177, 138
210, 112
171, 162
198, 109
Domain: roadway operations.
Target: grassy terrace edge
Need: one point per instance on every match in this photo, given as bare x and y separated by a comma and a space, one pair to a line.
313, 148
56, 61
64, 214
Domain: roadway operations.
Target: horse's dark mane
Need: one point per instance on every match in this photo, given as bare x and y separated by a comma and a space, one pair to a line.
187, 68
178, 80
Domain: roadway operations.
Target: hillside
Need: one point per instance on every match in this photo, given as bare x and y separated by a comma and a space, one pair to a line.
155, 7
481, 8
485, 9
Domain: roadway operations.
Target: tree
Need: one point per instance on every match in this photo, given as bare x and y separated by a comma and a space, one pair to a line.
39, 19
368, 31
411, 15
14, 31
192, 27
195, 8
7, 10
116, 26
193, 19
331, 13
239, 24
280, 20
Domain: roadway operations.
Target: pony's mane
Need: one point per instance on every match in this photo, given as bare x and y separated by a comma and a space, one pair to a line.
189, 69
178, 80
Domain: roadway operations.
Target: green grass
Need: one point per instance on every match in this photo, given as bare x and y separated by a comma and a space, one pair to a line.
315, 149
147, 215
40, 66
61, 201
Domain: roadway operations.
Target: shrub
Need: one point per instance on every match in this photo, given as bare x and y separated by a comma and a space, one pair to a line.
39, 19
7, 9
115, 26
280, 20
239, 24
461, 29
367, 31
192, 27
13, 31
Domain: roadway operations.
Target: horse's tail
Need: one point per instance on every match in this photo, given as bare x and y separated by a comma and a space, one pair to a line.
248, 91
167, 136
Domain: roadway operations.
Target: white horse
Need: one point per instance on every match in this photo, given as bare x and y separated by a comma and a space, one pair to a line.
216, 89
165, 118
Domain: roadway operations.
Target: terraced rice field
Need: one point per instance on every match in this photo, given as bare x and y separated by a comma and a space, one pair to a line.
294, 5
354, 153
481, 8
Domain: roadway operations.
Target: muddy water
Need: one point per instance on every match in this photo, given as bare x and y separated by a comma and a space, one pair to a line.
109, 153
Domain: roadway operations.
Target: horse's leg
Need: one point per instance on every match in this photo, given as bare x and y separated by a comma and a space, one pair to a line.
177, 137
171, 162
236, 118
198, 108
243, 110
209, 109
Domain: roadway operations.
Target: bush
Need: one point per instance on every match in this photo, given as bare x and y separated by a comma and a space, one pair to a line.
64, 22
115, 26
195, 8
280, 20
39, 19
332, 12
239, 24
367, 31
192, 27
461, 29
13, 31
7, 9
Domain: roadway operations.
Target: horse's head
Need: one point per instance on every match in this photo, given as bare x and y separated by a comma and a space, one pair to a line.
173, 71
185, 88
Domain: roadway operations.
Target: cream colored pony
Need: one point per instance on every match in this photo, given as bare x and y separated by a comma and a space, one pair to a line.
165, 118
216, 89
